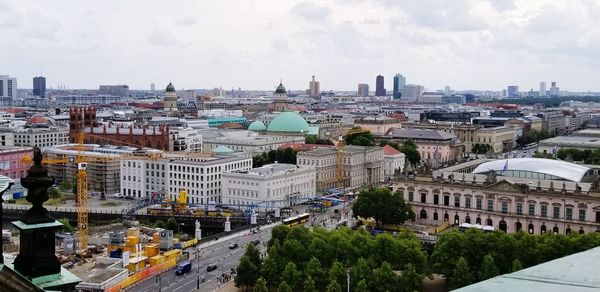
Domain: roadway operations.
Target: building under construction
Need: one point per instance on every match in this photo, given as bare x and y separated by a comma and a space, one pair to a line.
84, 119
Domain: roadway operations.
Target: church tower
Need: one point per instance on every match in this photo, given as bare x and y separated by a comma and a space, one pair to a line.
280, 101
170, 101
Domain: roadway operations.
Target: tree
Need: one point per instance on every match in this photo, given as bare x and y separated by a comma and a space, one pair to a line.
384, 278
409, 148
383, 206
160, 224
361, 271
65, 186
261, 285
482, 148
172, 225
362, 286
364, 138
333, 286
410, 279
315, 271
53, 193
291, 276
66, 225
337, 273
462, 274
270, 271
254, 255
284, 287
287, 155
247, 273
488, 268
312, 139
533, 136
310, 285
516, 265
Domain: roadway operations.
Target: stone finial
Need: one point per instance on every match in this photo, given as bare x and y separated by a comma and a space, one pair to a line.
37, 183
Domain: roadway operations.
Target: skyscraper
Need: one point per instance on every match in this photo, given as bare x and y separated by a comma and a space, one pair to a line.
314, 88
39, 86
542, 88
152, 86
512, 91
379, 86
554, 90
363, 89
8, 89
399, 82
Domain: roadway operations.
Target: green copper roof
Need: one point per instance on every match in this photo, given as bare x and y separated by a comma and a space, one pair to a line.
257, 126
288, 122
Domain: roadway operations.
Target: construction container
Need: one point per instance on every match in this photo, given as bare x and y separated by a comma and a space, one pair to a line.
133, 232
155, 260
172, 254
136, 264
132, 240
151, 249
116, 237
156, 237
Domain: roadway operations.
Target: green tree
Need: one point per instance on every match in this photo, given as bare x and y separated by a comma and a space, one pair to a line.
65, 186
312, 139
261, 285
292, 276
337, 273
462, 274
488, 268
284, 287
247, 273
333, 286
254, 255
411, 280
383, 206
361, 271
364, 138
413, 156
53, 193
309, 284
270, 271
66, 225
315, 271
159, 224
384, 278
362, 286
516, 265
172, 225
533, 136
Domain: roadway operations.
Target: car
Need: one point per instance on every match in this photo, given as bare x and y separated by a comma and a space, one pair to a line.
183, 268
233, 246
119, 196
211, 268
256, 242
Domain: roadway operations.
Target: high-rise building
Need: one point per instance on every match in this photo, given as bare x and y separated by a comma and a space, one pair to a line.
39, 86
512, 91
314, 88
8, 89
554, 90
399, 82
379, 86
411, 92
542, 88
152, 86
363, 89
114, 90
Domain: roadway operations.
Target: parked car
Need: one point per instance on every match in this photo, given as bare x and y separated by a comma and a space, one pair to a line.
211, 268
256, 242
233, 246
119, 196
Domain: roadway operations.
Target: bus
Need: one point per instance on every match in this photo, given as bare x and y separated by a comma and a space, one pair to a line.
296, 220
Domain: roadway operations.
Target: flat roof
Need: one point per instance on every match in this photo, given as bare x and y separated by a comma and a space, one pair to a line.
562, 169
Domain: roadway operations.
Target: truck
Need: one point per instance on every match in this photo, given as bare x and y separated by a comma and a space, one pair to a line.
183, 267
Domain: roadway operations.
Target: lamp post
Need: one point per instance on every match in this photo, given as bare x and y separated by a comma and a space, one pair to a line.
348, 280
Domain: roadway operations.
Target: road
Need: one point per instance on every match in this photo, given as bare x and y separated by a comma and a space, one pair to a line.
218, 254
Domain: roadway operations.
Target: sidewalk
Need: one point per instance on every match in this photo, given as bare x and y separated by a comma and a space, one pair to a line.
234, 235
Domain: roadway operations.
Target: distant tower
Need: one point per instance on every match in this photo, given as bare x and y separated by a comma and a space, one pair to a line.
363, 89
313, 88
399, 83
280, 92
379, 86
542, 88
39, 86
152, 87
280, 102
170, 100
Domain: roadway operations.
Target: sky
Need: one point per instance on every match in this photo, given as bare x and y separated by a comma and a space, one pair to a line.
464, 44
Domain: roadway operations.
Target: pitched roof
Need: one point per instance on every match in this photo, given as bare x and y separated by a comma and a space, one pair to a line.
389, 150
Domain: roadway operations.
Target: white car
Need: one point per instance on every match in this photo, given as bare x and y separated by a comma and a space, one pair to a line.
119, 196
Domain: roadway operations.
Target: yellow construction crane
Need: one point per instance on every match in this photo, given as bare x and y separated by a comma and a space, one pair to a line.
340, 177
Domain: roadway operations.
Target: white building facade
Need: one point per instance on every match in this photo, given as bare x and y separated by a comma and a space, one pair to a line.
273, 185
41, 137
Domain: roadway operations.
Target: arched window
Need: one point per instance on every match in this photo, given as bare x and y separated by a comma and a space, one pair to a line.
435, 216
530, 228
423, 214
446, 217
478, 220
468, 219
518, 226
456, 219
543, 229
555, 229
581, 230
568, 230
489, 222
503, 226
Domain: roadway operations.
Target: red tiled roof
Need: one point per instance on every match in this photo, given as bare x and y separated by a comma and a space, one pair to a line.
302, 147
389, 150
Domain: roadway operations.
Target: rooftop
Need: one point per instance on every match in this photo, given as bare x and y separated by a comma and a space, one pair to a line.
428, 134
573, 141
389, 150
565, 170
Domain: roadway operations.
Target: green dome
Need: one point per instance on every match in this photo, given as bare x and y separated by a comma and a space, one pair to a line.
280, 89
257, 126
288, 122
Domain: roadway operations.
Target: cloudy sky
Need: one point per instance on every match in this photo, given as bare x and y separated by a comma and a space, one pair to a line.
485, 44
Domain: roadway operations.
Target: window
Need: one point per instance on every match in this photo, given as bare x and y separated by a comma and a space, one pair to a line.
544, 211
581, 214
478, 202
410, 196
456, 201
436, 199
520, 208
446, 200
555, 212
467, 202
569, 213
504, 207
423, 198
597, 216
531, 210
490, 206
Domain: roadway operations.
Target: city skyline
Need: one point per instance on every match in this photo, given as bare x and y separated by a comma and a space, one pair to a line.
464, 44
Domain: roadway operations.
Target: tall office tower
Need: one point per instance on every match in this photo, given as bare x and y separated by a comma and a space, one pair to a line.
512, 91
363, 89
314, 88
114, 90
542, 88
8, 89
399, 82
554, 90
379, 86
152, 86
39, 86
